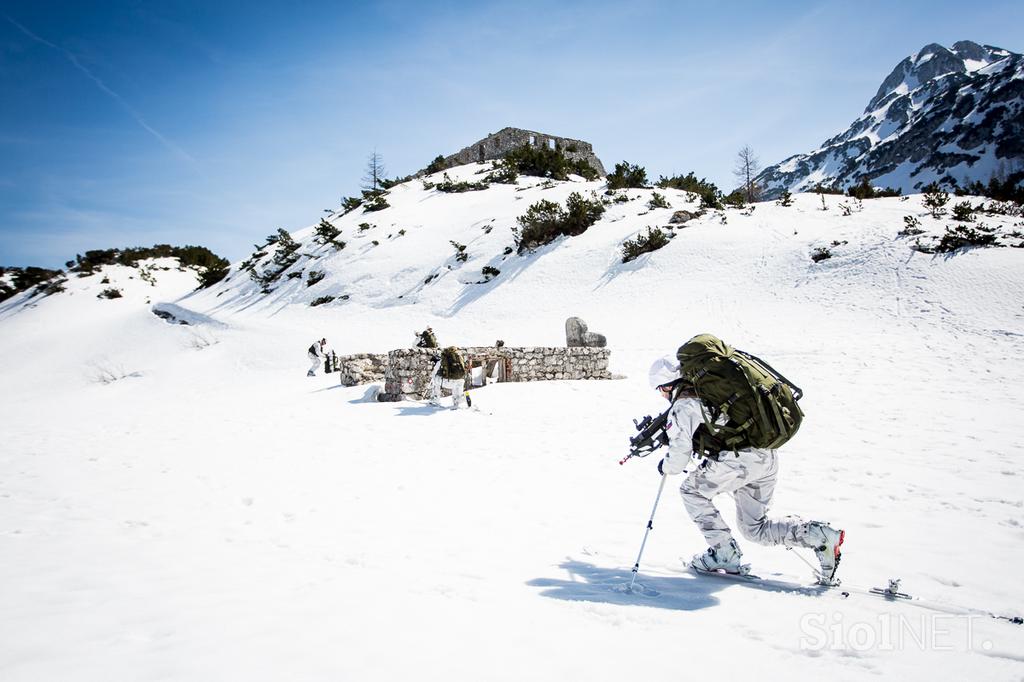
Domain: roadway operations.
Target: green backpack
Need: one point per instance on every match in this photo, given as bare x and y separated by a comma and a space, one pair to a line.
452, 364
759, 405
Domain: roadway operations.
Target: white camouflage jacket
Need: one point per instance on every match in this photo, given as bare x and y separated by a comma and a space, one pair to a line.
683, 419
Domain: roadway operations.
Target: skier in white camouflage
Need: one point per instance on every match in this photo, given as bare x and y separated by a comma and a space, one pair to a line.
317, 352
749, 475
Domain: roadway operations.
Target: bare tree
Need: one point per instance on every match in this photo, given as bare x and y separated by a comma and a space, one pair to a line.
375, 172
745, 171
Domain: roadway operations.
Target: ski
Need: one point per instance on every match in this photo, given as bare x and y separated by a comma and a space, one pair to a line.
892, 592
769, 583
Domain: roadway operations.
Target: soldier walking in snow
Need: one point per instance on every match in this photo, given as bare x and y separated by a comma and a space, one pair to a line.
449, 373
317, 352
714, 450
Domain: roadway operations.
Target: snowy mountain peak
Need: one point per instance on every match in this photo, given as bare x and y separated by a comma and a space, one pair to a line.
934, 61
943, 114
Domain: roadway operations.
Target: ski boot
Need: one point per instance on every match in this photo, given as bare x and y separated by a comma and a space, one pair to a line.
826, 542
721, 557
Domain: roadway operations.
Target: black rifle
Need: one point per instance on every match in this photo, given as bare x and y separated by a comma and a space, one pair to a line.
651, 436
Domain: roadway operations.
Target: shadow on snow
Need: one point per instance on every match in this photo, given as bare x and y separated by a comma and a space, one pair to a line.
680, 592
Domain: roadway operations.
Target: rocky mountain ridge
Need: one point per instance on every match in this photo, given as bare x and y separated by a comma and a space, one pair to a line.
948, 115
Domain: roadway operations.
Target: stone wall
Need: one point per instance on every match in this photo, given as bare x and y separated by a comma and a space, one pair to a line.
497, 145
407, 370
361, 368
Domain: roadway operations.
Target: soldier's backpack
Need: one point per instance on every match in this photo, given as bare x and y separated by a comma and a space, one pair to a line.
452, 364
745, 403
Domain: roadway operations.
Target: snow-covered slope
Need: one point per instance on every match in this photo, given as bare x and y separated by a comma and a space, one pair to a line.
211, 513
942, 113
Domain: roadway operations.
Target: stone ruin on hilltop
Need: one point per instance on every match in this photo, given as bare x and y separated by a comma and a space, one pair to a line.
497, 145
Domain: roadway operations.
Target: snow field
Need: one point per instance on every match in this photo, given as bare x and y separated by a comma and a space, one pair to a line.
221, 516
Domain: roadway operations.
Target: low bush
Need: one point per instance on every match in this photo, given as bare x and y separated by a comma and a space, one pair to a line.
349, 204
24, 278
710, 195
544, 162
545, 221
627, 175
960, 236
963, 212
326, 232
658, 201
786, 199
435, 166
911, 227
460, 251
376, 202
314, 277
820, 253
320, 301
109, 293
453, 187
935, 199
864, 190
503, 172
654, 239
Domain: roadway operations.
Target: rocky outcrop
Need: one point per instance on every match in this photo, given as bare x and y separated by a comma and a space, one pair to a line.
576, 335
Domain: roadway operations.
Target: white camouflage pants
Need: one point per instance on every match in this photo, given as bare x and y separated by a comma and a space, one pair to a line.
456, 386
315, 359
750, 477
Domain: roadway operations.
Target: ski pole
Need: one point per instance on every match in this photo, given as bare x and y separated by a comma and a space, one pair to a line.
650, 525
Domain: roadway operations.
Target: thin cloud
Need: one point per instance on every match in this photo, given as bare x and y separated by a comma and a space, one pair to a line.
103, 86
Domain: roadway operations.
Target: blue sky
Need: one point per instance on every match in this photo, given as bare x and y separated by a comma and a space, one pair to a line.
132, 123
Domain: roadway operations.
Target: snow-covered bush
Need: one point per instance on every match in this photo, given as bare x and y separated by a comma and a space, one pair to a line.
710, 195
109, 293
460, 251
376, 202
545, 220
654, 239
320, 301
658, 201
455, 187
820, 253
959, 236
106, 372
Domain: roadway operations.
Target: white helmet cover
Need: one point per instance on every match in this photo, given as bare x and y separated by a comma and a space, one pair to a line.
664, 371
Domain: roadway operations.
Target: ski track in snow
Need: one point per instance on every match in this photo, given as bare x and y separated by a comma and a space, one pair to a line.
214, 514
